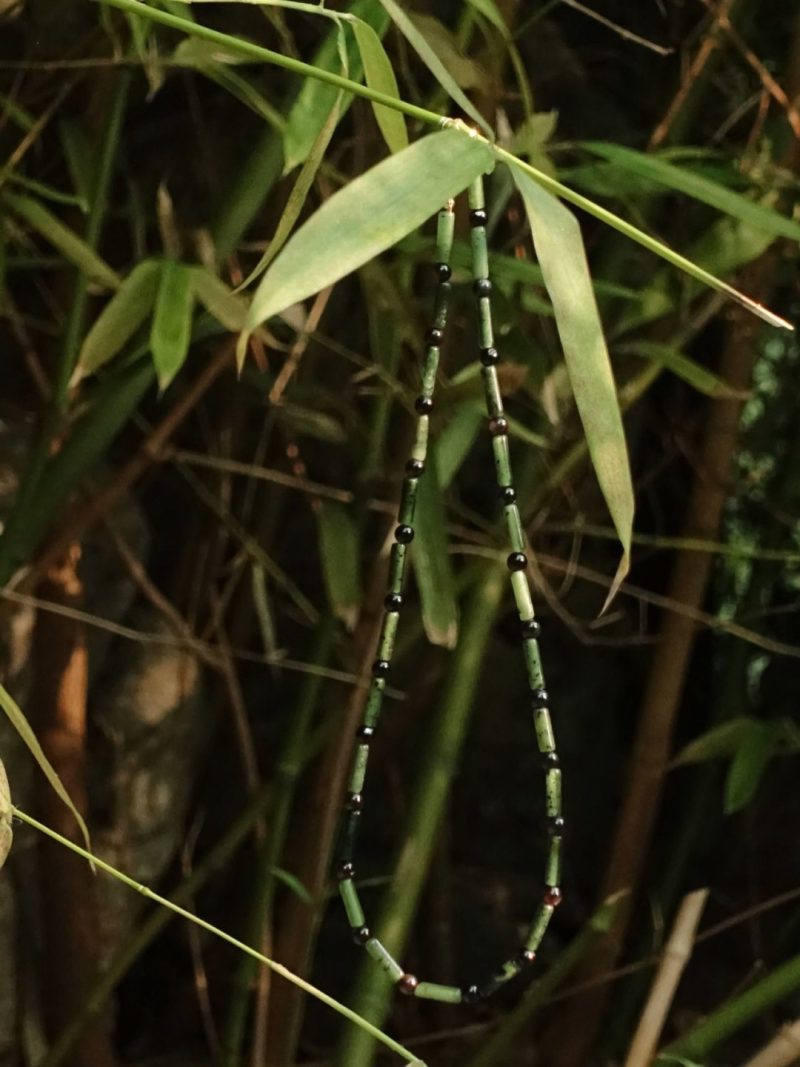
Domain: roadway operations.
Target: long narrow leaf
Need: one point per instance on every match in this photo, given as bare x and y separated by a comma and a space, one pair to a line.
368, 216
218, 300
692, 373
339, 554
172, 321
120, 318
687, 183
431, 561
434, 64
559, 248
23, 728
72, 247
379, 74
6, 833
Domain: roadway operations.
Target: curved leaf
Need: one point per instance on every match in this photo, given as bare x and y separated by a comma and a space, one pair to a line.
559, 247
227, 308
339, 553
369, 215
6, 833
431, 560
172, 321
120, 318
379, 74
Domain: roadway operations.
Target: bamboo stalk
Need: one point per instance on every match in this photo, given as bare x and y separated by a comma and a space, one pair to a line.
782, 1050
676, 955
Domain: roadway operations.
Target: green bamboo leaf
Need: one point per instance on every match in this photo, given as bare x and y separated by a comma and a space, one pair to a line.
379, 74
756, 748
668, 356
120, 318
464, 71
456, 440
722, 740
434, 64
72, 247
172, 321
490, 11
559, 247
431, 560
79, 156
700, 188
226, 307
6, 833
213, 63
369, 215
338, 548
23, 728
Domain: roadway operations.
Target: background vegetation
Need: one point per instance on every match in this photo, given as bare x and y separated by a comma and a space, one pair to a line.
193, 560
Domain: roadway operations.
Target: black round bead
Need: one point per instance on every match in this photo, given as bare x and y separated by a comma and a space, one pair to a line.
365, 733
526, 957
482, 287
443, 271
392, 601
555, 825
490, 357
553, 895
423, 405
470, 995
345, 871
477, 217
414, 468
404, 534
507, 494
355, 802
434, 336
361, 934
550, 760
407, 983
380, 668
517, 561
498, 427
530, 628
540, 698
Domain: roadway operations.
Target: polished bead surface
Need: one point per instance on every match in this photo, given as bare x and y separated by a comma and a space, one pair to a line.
365, 733
471, 995
540, 698
555, 826
550, 760
482, 286
477, 217
355, 802
517, 561
423, 405
393, 602
434, 336
530, 628
552, 896
407, 983
498, 427
404, 534
443, 271
414, 468
507, 494
345, 871
380, 668
361, 934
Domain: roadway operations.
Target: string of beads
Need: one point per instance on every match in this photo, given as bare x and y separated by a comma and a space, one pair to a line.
529, 625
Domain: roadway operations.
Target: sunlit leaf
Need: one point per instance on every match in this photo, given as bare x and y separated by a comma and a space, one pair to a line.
431, 560
434, 64
172, 321
72, 247
559, 248
340, 561
218, 300
120, 318
23, 728
379, 75
368, 216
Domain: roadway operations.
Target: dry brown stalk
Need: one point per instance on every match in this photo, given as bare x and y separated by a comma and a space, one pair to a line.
782, 1051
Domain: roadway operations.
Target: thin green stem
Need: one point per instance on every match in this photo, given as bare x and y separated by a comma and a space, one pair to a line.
278, 968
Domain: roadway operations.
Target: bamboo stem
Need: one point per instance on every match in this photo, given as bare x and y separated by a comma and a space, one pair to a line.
782, 1050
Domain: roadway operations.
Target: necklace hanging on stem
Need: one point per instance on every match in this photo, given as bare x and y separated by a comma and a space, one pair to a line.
529, 626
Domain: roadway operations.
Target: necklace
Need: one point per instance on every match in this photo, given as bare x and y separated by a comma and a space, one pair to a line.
529, 625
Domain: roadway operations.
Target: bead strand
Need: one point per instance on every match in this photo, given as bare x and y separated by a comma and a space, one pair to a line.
403, 536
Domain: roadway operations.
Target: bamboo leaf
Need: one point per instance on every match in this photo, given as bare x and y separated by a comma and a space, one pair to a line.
698, 377
559, 247
698, 187
379, 74
456, 440
23, 728
756, 748
431, 560
434, 64
339, 553
722, 740
464, 71
172, 321
6, 833
490, 11
120, 318
226, 307
368, 216
72, 247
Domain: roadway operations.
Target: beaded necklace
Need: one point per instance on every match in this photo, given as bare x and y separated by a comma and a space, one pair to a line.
529, 626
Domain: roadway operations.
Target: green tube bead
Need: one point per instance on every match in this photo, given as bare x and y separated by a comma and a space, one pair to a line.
408, 501
533, 663
485, 322
352, 905
475, 195
429, 370
397, 567
359, 770
544, 730
445, 228
514, 527
539, 927
420, 446
441, 305
384, 958
553, 866
522, 594
374, 701
502, 460
480, 252
552, 789
491, 386
448, 994
388, 634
